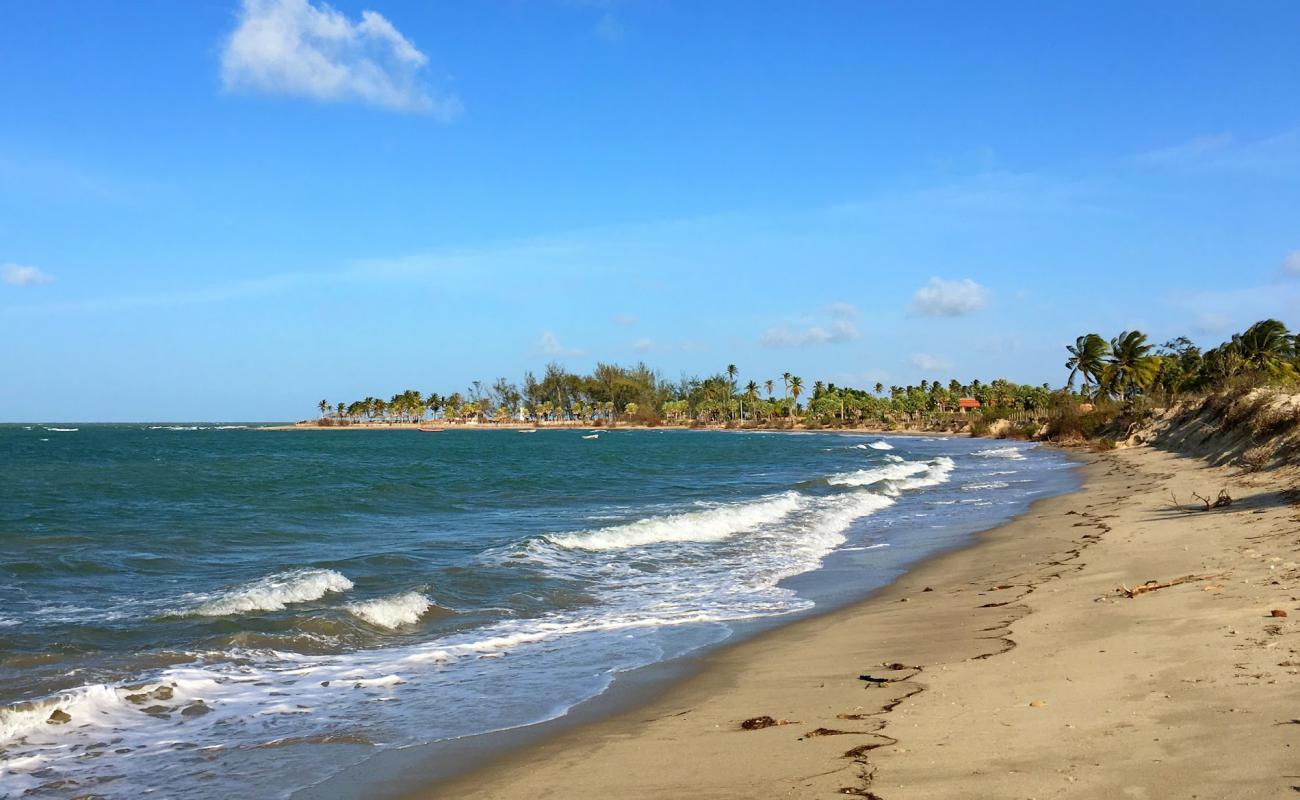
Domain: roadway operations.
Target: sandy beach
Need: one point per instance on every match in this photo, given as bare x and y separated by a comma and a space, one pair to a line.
1017, 668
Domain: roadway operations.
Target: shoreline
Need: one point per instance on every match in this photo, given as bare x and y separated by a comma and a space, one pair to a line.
950, 622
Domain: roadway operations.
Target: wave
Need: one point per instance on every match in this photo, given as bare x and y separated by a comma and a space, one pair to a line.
880, 445
897, 470
392, 612
63, 430
1013, 453
273, 593
974, 487
693, 526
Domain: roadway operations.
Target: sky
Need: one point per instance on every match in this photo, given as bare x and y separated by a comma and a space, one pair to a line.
230, 209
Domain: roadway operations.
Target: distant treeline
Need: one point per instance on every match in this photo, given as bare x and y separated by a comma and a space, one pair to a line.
1126, 369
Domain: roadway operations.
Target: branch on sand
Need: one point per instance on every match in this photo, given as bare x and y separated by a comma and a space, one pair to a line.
1154, 585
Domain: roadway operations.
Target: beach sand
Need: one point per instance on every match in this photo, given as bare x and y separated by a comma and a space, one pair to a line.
1015, 669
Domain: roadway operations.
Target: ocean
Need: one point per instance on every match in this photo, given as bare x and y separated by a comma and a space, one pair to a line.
210, 611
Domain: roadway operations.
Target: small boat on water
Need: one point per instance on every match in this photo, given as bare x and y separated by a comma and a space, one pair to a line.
592, 436
432, 430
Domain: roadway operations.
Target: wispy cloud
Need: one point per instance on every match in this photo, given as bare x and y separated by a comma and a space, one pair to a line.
1194, 148
643, 345
296, 48
625, 319
1211, 322
929, 362
1271, 155
549, 344
786, 336
842, 310
1291, 264
941, 298
19, 275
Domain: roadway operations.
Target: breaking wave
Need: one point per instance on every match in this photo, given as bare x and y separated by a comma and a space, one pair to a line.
392, 612
693, 526
273, 593
1013, 453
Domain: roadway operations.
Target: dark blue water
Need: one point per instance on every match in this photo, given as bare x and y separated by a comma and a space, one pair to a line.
217, 608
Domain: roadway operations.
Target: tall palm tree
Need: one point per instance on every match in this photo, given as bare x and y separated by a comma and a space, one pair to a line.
1088, 359
751, 394
1131, 368
796, 388
769, 384
731, 385
879, 387
324, 407
785, 377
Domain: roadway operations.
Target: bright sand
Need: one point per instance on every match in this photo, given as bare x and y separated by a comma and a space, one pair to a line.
1027, 675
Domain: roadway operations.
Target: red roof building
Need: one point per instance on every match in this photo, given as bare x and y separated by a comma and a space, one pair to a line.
968, 404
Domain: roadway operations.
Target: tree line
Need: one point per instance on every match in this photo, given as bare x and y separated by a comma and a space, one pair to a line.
1127, 368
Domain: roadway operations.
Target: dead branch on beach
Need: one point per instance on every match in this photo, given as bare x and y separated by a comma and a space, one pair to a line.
1155, 585
1222, 501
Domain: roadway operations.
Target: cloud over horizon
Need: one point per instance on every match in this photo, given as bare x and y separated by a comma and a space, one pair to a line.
941, 298
296, 48
20, 275
1291, 264
928, 362
784, 336
549, 344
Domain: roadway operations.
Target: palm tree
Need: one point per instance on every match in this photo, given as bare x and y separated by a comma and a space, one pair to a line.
1087, 358
324, 407
751, 394
879, 387
768, 384
1266, 347
731, 377
1131, 368
785, 376
796, 388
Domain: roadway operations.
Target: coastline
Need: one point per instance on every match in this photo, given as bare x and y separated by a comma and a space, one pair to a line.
953, 722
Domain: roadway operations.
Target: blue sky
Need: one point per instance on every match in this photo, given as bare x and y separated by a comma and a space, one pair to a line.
228, 210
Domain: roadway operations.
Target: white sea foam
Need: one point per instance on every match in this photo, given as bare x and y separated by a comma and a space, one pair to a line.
273, 592
974, 487
880, 445
1013, 453
392, 612
865, 477
63, 430
707, 525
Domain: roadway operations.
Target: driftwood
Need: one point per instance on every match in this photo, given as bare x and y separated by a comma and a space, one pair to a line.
1154, 585
1222, 501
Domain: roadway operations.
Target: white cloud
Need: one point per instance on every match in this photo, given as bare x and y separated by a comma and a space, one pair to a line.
941, 298
1211, 322
549, 344
625, 319
927, 362
842, 310
785, 336
643, 345
293, 47
19, 275
1291, 264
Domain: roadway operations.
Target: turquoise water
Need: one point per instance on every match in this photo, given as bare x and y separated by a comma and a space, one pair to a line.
218, 608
